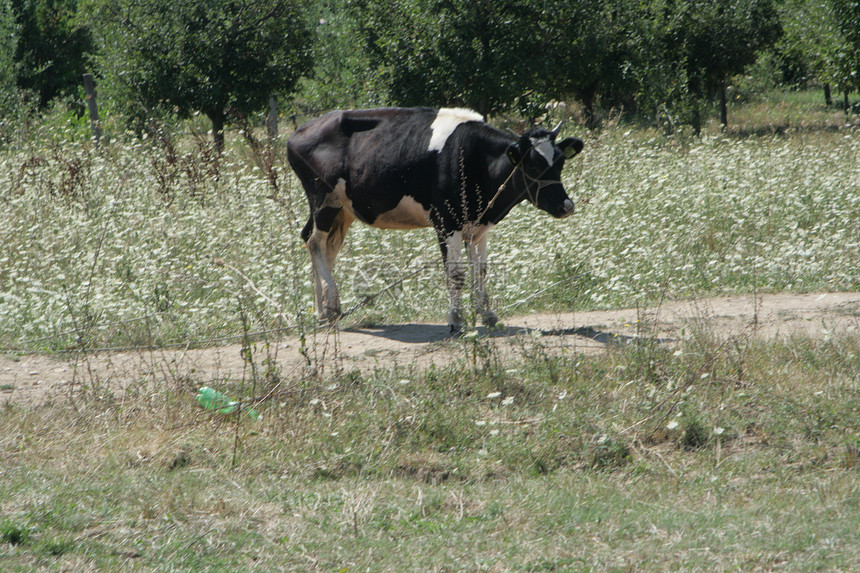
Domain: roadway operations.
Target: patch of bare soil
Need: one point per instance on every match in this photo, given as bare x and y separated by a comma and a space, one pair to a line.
35, 379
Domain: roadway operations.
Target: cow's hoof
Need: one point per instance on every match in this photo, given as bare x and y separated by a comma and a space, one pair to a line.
455, 321
490, 319
330, 317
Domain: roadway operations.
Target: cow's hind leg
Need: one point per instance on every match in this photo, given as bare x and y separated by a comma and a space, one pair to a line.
325, 289
325, 233
335, 237
323, 244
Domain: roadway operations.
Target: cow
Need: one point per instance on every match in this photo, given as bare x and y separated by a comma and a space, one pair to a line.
407, 168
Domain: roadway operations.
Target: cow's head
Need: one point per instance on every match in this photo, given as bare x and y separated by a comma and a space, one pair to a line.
540, 159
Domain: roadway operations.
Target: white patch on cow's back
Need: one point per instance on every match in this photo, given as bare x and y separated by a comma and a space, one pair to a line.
409, 214
446, 122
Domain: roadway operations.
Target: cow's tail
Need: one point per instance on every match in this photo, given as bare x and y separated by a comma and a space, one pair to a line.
309, 226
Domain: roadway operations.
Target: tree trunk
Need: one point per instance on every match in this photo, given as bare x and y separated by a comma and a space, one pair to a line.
724, 112
272, 119
828, 99
90, 88
218, 120
590, 116
846, 104
588, 109
696, 119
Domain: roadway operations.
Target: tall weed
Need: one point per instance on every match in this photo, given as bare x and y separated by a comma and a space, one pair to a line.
143, 234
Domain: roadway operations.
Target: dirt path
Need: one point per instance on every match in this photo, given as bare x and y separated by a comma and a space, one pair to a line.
34, 379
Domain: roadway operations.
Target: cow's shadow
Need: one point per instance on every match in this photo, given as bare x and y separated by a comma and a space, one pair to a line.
427, 333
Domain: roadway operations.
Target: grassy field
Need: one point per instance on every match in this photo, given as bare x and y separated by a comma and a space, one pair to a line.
708, 456
144, 243
714, 453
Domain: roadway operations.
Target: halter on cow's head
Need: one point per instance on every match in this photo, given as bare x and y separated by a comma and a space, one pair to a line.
539, 159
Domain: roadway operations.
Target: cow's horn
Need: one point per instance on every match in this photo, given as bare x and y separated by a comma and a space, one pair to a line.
557, 129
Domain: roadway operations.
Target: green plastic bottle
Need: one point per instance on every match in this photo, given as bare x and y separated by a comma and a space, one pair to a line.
211, 399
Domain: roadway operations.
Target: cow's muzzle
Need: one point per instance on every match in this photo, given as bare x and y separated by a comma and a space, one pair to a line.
567, 209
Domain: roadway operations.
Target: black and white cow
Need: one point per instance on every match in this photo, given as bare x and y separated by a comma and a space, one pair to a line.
409, 168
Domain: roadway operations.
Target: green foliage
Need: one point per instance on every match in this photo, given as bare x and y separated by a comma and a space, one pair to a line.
817, 35
497, 56
481, 54
663, 60
692, 48
343, 75
610, 453
8, 46
53, 48
9, 68
592, 48
13, 532
845, 58
217, 57
694, 435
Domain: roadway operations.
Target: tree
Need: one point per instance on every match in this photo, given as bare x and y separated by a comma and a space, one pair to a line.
211, 56
814, 37
343, 74
53, 47
8, 70
693, 48
483, 54
845, 57
8, 46
591, 46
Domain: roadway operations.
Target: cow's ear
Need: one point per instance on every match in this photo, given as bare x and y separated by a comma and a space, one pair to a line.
571, 146
515, 153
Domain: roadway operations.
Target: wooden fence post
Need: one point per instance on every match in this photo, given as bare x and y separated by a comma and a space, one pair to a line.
272, 119
90, 88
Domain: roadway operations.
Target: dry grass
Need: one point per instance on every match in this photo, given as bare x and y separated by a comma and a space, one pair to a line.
581, 471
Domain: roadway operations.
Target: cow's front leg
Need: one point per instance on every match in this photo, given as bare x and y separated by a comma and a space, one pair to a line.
455, 276
478, 257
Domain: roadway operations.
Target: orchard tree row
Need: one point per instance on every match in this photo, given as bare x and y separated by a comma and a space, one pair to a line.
663, 60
